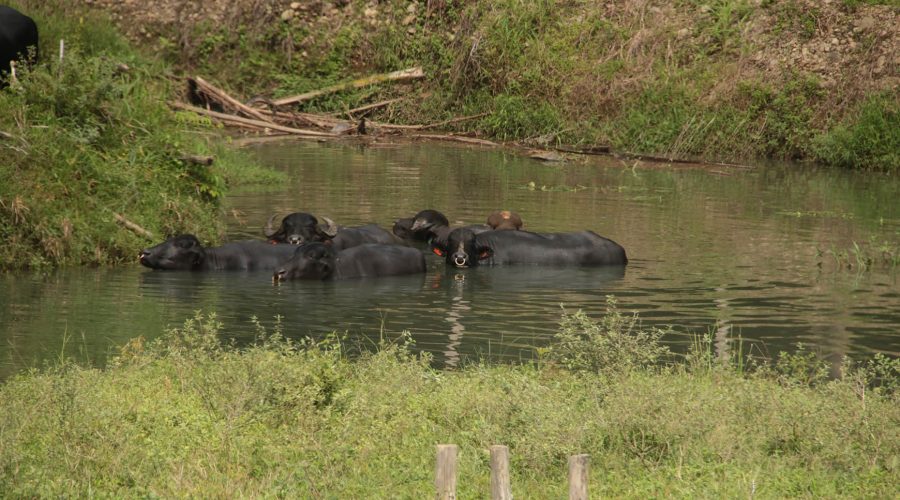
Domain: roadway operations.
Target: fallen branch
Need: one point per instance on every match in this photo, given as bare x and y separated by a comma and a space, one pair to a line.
248, 123
469, 140
590, 150
133, 227
7, 135
226, 100
368, 107
665, 159
430, 125
402, 75
324, 122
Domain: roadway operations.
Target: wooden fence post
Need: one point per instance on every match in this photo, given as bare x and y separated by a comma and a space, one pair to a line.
578, 477
500, 489
445, 472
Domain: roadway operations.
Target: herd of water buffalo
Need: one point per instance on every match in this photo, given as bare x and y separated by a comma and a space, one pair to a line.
308, 247
303, 247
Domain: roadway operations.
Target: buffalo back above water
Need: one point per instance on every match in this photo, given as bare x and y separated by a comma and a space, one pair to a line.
430, 226
18, 32
318, 261
185, 253
420, 226
301, 227
464, 248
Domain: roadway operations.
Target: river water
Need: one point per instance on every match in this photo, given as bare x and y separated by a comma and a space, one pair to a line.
741, 253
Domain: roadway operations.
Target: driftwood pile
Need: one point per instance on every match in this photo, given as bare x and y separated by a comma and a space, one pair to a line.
278, 116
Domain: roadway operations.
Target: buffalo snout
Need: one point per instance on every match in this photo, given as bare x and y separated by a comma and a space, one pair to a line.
460, 259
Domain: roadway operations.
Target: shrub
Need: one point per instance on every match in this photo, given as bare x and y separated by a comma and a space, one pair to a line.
614, 344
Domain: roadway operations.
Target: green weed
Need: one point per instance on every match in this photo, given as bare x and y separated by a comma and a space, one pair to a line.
189, 415
868, 138
863, 257
615, 343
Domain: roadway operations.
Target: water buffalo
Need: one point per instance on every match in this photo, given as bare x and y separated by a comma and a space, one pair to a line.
301, 227
420, 227
465, 248
185, 253
432, 226
18, 40
318, 261
504, 220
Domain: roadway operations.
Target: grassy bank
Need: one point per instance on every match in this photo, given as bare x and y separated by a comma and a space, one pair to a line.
723, 79
189, 416
88, 138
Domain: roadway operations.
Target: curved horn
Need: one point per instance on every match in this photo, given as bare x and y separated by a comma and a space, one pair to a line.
330, 228
268, 230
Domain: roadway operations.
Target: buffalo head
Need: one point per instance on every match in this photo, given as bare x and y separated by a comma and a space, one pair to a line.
313, 261
181, 253
300, 227
462, 248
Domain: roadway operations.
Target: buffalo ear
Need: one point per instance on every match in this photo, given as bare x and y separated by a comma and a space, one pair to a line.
485, 253
437, 251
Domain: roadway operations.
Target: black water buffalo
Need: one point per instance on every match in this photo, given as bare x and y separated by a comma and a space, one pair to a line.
465, 248
420, 227
185, 253
318, 261
434, 227
18, 40
301, 227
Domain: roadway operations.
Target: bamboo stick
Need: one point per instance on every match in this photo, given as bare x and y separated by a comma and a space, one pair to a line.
248, 122
368, 107
226, 99
133, 227
402, 75
457, 138
429, 125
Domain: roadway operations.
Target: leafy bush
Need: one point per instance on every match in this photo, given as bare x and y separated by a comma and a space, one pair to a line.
868, 138
614, 344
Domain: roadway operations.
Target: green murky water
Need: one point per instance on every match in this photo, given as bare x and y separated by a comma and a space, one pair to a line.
758, 254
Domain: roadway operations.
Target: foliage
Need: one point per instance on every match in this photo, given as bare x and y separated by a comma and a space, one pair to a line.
91, 139
869, 138
614, 344
187, 415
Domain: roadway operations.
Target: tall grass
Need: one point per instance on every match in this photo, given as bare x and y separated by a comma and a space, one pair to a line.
90, 138
189, 416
